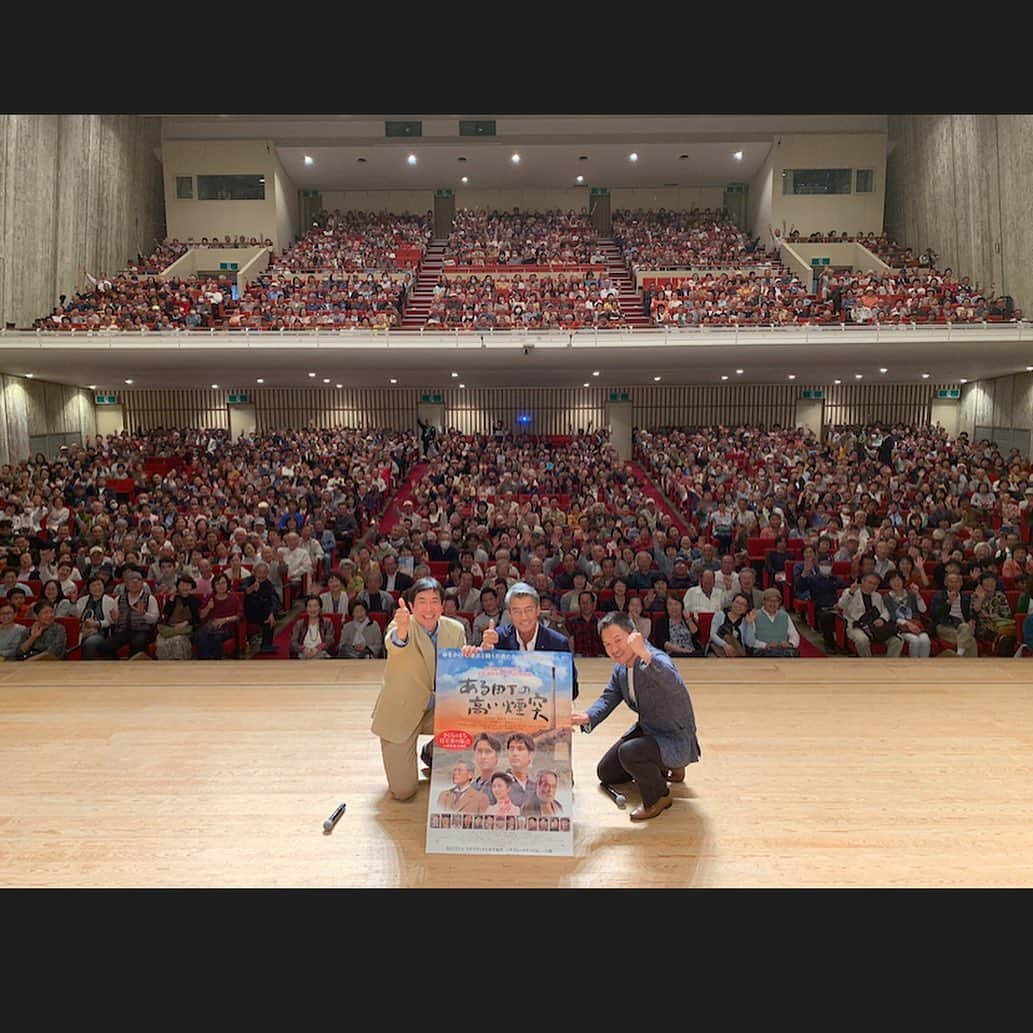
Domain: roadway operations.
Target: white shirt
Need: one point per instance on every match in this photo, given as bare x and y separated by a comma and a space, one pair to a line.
298, 561
696, 600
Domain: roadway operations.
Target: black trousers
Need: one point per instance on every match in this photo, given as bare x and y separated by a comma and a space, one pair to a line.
635, 756
138, 641
827, 623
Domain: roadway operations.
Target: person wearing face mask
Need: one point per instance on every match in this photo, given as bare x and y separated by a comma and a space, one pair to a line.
823, 588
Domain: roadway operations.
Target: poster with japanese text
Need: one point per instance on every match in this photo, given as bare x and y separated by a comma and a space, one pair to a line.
501, 778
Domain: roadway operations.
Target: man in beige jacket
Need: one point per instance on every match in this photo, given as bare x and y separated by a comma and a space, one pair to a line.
405, 707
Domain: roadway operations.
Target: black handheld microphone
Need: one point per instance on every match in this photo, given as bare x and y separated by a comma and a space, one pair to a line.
328, 825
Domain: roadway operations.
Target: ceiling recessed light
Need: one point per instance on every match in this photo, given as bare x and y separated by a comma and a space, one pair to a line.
792, 376
1029, 369
308, 159
30, 375
837, 381
92, 387
737, 156
964, 381
326, 380
454, 374
584, 385
633, 156
215, 387
515, 159
925, 376
595, 373
411, 159
883, 369
580, 179
656, 378
129, 381
462, 385
466, 179
393, 380
724, 376
739, 372
858, 376
312, 374
259, 381
338, 385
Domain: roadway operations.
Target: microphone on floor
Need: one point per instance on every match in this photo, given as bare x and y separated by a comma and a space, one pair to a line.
331, 822
616, 797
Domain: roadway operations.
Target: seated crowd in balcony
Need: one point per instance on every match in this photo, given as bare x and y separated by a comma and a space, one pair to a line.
521, 238
694, 239
355, 242
542, 301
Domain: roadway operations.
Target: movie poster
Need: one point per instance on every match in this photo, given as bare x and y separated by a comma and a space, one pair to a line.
501, 778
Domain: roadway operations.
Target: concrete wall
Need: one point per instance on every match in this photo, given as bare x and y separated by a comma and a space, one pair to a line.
274, 218
622, 418
672, 198
287, 215
78, 193
760, 217
961, 185
946, 412
1002, 402
815, 212
575, 198
32, 408
398, 202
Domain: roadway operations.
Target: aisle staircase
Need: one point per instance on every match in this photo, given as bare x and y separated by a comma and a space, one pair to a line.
629, 297
417, 305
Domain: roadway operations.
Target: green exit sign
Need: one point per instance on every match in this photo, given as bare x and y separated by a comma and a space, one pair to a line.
948, 392
620, 396
820, 261
598, 191
813, 392
431, 397
106, 399
735, 188
230, 266
445, 192
237, 398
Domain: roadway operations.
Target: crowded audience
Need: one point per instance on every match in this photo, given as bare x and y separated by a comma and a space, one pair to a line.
889, 539
696, 239
867, 503
521, 238
534, 301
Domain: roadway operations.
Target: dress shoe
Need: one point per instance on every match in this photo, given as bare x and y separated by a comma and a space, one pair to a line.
642, 813
676, 775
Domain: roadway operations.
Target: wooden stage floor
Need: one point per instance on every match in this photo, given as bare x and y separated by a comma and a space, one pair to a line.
814, 773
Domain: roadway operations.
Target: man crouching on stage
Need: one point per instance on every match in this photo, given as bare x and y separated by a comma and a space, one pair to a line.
657, 748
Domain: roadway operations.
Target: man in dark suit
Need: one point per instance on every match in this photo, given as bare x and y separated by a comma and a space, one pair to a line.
395, 580
525, 632
657, 748
952, 616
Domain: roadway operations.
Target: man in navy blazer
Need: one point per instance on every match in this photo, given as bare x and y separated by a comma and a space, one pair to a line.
657, 748
523, 605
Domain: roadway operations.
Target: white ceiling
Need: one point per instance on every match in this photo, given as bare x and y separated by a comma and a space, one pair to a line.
622, 361
549, 147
